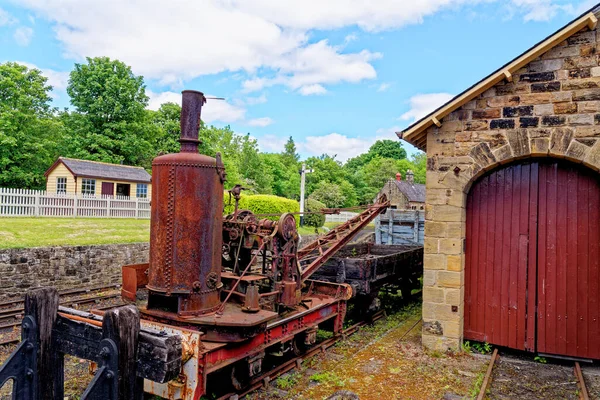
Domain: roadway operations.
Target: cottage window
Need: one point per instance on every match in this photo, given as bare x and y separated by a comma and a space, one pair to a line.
88, 186
61, 185
142, 190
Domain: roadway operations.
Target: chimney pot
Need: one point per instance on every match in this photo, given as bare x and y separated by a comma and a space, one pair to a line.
410, 176
398, 176
191, 109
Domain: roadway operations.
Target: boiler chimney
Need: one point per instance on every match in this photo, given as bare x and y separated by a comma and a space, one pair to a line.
191, 108
410, 176
398, 176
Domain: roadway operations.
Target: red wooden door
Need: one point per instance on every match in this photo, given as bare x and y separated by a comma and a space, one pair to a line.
531, 268
108, 188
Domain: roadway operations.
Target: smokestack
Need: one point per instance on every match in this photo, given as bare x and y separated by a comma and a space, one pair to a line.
410, 176
191, 108
398, 176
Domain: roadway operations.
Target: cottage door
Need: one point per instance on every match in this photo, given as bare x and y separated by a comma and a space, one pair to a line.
531, 268
108, 188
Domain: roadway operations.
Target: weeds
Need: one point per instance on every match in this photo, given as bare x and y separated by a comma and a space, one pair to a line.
541, 360
288, 381
328, 377
476, 388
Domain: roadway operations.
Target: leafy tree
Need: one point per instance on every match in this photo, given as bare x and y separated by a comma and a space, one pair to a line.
388, 149
314, 206
167, 120
111, 123
379, 170
325, 169
330, 194
290, 157
29, 129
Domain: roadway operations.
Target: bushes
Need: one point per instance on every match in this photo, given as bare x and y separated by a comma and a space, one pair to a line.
263, 204
316, 220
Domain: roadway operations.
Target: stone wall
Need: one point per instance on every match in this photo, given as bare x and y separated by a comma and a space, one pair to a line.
65, 267
550, 109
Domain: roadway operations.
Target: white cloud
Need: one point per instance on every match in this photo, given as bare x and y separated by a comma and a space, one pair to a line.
6, 18
384, 86
342, 146
423, 104
23, 35
314, 89
272, 143
57, 79
213, 110
256, 100
350, 38
262, 122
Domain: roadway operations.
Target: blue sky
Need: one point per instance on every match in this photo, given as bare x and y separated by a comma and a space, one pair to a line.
336, 75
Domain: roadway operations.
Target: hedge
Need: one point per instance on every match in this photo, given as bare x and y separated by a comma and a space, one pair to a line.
316, 220
263, 204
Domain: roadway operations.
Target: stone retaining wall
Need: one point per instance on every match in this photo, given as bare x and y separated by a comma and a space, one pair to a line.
65, 267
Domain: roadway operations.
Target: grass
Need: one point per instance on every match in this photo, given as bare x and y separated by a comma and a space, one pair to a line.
36, 232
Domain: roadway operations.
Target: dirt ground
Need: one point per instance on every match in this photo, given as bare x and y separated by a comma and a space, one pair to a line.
517, 376
384, 361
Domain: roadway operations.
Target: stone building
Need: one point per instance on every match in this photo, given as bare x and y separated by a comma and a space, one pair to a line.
404, 194
512, 221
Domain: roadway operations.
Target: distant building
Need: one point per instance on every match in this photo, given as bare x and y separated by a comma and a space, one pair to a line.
405, 194
70, 176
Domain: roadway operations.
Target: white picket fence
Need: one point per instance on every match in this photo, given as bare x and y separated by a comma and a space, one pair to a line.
39, 203
341, 217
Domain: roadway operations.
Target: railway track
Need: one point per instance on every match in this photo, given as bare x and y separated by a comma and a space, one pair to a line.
17, 313
263, 380
487, 380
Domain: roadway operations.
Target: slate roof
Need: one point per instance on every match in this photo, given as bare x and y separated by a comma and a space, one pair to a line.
94, 169
413, 191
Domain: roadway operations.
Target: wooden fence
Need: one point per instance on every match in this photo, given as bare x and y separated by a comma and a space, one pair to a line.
39, 203
400, 227
341, 217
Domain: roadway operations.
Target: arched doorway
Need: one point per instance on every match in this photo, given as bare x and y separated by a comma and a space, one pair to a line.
532, 258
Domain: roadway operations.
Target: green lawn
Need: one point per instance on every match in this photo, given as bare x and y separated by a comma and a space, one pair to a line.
36, 232
39, 232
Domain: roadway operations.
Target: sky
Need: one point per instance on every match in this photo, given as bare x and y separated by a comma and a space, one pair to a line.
336, 75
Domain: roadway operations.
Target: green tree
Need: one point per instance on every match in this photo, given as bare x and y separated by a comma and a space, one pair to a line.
29, 129
330, 194
110, 122
167, 120
388, 149
290, 157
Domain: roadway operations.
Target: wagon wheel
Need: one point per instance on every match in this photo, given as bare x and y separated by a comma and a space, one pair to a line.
298, 346
286, 226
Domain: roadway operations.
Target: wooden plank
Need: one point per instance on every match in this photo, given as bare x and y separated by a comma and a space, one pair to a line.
594, 285
469, 243
489, 248
552, 239
542, 264
505, 266
562, 261
571, 277
532, 258
524, 200
488, 375
584, 395
481, 264
583, 187
498, 223
514, 258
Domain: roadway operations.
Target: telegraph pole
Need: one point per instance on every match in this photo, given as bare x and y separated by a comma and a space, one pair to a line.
303, 173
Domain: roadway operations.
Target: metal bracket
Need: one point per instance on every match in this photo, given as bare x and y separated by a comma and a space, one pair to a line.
21, 365
105, 384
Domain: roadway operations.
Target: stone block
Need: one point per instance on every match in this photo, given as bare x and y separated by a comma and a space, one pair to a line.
436, 229
433, 327
453, 330
561, 52
578, 84
450, 246
435, 261
560, 140
592, 158
529, 122
455, 262
537, 77
448, 213
489, 113
482, 155
565, 108
494, 139
519, 111
560, 97
543, 109
536, 98
449, 279
428, 310
595, 71
553, 120
586, 95
444, 312
545, 65
539, 146
588, 106
476, 125
502, 124
519, 142
581, 119
545, 87
453, 297
433, 295
429, 276
587, 131
582, 38
502, 101
577, 151
431, 245
579, 73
